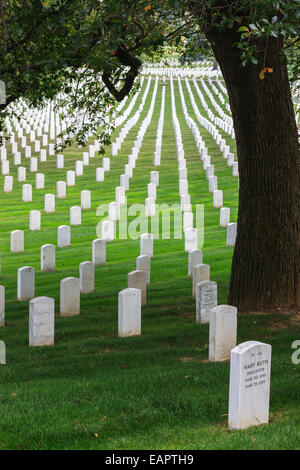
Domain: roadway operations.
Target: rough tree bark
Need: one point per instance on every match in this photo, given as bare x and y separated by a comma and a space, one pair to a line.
266, 260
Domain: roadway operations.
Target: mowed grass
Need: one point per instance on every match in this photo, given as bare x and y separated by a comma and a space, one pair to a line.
93, 390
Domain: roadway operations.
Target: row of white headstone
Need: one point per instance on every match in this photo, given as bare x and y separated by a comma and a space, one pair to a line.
62, 192
130, 123
107, 226
217, 194
222, 319
250, 362
180, 72
183, 182
48, 251
69, 295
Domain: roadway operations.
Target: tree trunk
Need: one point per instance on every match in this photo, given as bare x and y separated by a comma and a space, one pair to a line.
266, 260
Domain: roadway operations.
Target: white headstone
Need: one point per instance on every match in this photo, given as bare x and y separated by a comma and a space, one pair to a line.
182, 173
21, 174
124, 181
85, 199
143, 263
35, 220
212, 183
79, 168
185, 203
27, 151
61, 190
5, 167
154, 177
107, 230
150, 207
188, 220
2, 353
183, 187
191, 240
120, 195
235, 169
206, 299
48, 258
151, 190
26, 283
114, 211
41, 321
222, 332
43, 155
27, 192
99, 175
69, 297
106, 164
75, 215
129, 312
8, 184
49, 203
99, 252
137, 280
224, 216
85, 158
39, 181
2, 305
201, 272
59, 161
195, 257
146, 244
63, 236
33, 164
249, 389
218, 198
70, 178
210, 169
231, 234
87, 277
17, 241
17, 158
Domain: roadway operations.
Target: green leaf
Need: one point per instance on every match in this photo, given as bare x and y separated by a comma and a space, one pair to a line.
243, 28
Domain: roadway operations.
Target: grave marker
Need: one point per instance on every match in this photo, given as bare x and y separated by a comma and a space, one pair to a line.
201, 272
41, 321
206, 299
195, 257
48, 258
87, 277
85, 199
2, 353
137, 280
35, 220
75, 215
222, 332
249, 389
231, 234
99, 252
2, 305
49, 203
63, 236
69, 297
143, 264
17, 241
26, 282
146, 244
129, 312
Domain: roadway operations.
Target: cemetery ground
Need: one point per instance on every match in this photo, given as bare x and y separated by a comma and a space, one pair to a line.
93, 390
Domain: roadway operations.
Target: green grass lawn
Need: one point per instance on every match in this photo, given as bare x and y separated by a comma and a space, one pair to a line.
93, 390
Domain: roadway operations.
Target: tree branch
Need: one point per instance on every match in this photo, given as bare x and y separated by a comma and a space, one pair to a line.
127, 60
